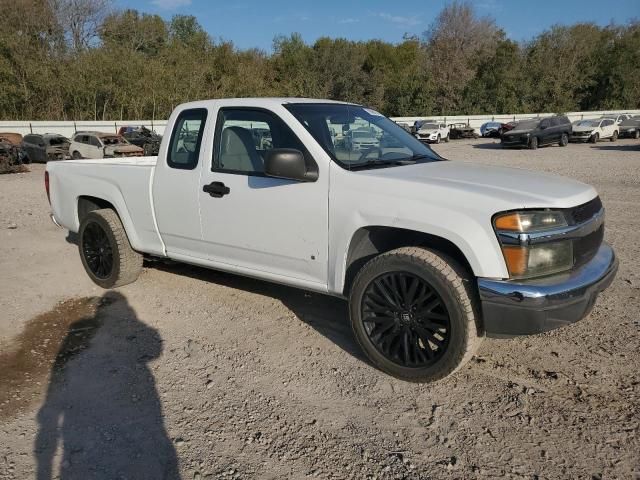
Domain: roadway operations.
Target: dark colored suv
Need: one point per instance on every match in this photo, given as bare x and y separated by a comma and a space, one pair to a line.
538, 132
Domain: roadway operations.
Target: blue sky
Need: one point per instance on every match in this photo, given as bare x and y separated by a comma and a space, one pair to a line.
254, 23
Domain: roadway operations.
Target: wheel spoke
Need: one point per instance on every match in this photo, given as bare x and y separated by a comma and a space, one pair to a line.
97, 250
405, 319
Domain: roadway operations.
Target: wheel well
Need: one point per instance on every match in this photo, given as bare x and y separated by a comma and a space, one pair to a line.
369, 242
88, 204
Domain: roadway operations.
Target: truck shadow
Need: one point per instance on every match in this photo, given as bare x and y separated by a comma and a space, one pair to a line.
327, 315
102, 408
625, 147
488, 145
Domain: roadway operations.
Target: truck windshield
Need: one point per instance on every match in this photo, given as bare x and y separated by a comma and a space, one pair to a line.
360, 138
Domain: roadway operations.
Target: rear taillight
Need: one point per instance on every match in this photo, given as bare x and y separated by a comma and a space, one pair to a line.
46, 185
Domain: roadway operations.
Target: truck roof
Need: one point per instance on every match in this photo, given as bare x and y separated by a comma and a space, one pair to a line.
258, 101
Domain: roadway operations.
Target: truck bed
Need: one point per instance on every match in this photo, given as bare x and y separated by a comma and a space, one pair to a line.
115, 179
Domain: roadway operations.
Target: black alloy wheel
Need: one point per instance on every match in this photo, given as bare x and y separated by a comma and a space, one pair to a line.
406, 319
97, 250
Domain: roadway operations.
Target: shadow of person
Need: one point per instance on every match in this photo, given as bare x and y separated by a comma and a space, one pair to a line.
102, 407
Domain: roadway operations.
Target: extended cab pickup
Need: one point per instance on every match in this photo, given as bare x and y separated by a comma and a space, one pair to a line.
432, 255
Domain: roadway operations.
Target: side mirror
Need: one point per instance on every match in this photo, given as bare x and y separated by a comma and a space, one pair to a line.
288, 163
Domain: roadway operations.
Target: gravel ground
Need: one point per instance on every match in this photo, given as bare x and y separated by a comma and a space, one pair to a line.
194, 374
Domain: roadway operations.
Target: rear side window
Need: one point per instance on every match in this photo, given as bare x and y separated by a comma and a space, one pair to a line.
186, 139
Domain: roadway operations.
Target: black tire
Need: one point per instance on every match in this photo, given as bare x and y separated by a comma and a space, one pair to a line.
106, 253
564, 140
614, 137
594, 138
636, 134
533, 143
446, 139
76, 155
454, 333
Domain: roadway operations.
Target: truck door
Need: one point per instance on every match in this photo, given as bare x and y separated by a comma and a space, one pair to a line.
273, 227
176, 185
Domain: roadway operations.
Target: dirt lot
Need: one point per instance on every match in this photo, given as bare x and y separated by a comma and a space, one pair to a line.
193, 374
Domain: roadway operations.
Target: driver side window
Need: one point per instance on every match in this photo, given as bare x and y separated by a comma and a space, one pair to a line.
186, 139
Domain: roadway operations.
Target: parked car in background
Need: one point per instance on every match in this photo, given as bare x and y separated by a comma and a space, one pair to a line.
492, 129
405, 126
617, 117
142, 137
360, 139
102, 145
44, 147
433, 132
594, 130
10, 151
538, 132
630, 128
461, 130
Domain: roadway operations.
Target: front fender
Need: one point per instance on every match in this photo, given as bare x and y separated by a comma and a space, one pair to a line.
474, 238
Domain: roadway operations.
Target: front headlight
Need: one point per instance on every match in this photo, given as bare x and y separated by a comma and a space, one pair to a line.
527, 259
530, 221
538, 260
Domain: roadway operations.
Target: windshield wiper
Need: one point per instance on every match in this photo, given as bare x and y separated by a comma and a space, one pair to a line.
383, 163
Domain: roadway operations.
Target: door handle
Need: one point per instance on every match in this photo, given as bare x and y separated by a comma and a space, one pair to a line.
216, 189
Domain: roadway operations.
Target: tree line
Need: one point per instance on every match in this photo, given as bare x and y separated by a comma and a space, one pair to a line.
83, 60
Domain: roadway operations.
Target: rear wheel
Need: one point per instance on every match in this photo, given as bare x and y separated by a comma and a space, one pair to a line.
614, 137
105, 250
594, 138
533, 143
564, 140
413, 313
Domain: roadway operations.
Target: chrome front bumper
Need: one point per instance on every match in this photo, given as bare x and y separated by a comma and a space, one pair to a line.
512, 308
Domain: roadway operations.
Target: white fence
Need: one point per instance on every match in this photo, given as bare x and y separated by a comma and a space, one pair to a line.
68, 128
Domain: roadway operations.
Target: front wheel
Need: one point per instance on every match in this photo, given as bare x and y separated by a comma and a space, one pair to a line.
614, 137
594, 138
564, 140
413, 312
533, 143
636, 135
446, 139
105, 250
76, 155
438, 139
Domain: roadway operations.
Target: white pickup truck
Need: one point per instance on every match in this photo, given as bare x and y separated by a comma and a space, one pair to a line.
432, 255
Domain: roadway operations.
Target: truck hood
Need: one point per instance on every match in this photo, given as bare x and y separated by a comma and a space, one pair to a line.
480, 186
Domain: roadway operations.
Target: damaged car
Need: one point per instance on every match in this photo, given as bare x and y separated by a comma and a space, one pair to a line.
102, 145
11, 153
41, 148
142, 137
461, 130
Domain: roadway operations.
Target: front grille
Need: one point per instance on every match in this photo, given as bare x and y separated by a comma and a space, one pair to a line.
584, 212
585, 248
581, 134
